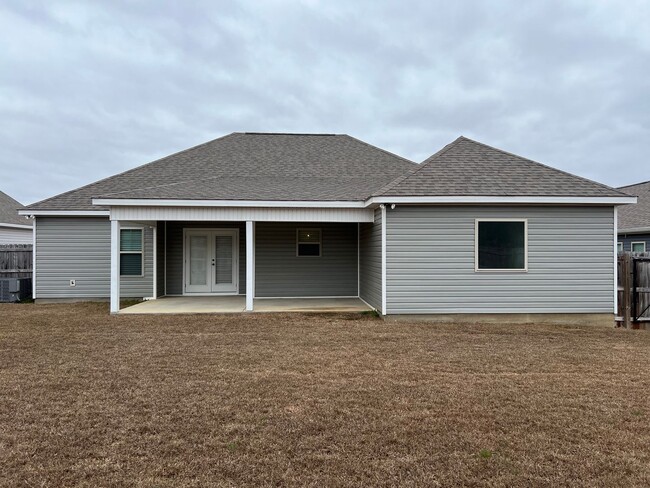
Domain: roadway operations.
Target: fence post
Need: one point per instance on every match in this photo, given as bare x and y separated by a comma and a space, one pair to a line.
627, 295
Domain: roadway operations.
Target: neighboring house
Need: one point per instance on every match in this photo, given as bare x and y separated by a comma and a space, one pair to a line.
473, 230
634, 220
14, 229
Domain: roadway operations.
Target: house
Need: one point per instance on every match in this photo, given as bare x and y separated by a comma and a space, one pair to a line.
14, 229
634, 220
472, 233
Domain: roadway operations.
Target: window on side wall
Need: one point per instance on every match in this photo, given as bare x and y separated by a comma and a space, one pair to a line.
131, 262
308, 243
619, 247
501, 245
638, 247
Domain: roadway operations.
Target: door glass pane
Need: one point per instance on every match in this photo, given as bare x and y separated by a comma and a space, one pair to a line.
223, 261
198, 260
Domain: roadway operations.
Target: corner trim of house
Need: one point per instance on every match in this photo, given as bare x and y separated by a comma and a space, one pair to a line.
34, 261
383, 259
615, 260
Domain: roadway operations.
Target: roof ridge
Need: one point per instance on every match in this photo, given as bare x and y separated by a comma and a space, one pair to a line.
542, 164
318, 134
420, 166
33, 205
379, 149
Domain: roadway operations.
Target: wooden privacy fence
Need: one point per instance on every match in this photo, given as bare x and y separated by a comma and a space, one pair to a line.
15, 261
633, 290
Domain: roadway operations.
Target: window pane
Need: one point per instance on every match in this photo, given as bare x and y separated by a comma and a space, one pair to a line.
224, 257
309, 235
131, 240
131, 264
638, 247
501, 245
308, 249
620, 247
198, 260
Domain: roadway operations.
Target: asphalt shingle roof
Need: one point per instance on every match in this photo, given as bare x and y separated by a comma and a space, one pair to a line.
9, 211
636, 216
469, 168
322, 167
251, 166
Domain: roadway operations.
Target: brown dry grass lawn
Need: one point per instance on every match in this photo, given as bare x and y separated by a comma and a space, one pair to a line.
316, 400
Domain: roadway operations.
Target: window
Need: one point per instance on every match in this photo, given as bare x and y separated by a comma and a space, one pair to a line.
308, 242
619, 247
638, 247
131, 252
501, 244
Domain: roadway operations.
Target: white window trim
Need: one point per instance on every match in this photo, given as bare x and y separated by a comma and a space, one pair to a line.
320, 241
141, 275
498, 270
637, 242
619, 246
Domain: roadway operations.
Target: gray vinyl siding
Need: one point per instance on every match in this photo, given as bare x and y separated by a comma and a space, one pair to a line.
628, 239
430, 262
370, 261
12, 235
174, 272
80, 249
280, 273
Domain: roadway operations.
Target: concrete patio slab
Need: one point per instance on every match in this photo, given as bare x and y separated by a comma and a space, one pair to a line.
235, 304
230, 304
309, 305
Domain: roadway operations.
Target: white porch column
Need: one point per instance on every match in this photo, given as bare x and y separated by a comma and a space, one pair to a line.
115, 266
155, 262
250, 264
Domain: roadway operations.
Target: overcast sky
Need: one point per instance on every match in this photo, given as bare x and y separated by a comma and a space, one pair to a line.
89, 89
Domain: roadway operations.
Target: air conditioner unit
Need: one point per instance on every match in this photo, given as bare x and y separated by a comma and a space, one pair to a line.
15, 289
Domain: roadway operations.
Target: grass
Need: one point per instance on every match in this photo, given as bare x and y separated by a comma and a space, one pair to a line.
89, 399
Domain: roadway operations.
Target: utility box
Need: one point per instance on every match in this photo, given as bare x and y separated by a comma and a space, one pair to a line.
15, 289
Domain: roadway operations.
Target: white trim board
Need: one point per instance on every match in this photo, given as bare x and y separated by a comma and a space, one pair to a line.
124, 202
70, 213
504, 200
616, 260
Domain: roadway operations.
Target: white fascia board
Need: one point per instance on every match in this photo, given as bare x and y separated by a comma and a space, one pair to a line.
227, 203
16, 226
69, 213
504, 200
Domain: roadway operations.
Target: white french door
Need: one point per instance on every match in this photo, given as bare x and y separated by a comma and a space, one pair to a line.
212, 261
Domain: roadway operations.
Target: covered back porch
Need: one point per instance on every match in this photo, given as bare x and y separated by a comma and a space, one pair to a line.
228, 265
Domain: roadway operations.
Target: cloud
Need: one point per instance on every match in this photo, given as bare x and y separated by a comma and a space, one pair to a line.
91, 89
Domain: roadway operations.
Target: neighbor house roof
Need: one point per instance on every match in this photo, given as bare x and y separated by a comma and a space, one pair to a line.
637, 216
9, 211
251, 166
469, 168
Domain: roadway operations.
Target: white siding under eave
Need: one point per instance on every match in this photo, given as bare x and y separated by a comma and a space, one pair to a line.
370, 261
430, 261
79, 248
242, 214
12, 235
